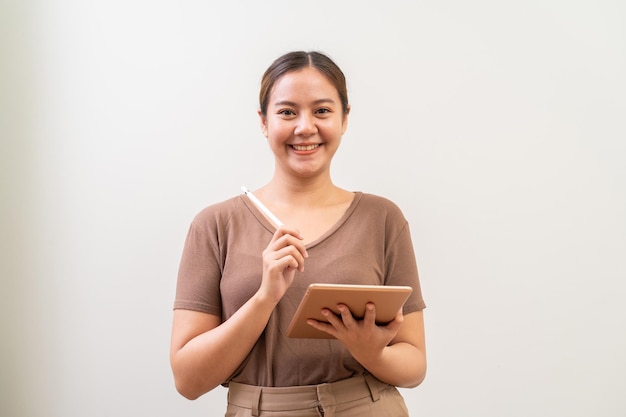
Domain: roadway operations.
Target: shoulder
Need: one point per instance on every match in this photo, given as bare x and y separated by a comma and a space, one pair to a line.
221, 207
218, 213
380, 206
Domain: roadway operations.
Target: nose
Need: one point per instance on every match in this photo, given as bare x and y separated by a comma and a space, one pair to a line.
305, 125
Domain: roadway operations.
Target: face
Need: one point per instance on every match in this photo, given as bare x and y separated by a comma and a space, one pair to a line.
304, 123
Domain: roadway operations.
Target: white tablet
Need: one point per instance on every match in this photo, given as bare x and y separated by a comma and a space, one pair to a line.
387, 299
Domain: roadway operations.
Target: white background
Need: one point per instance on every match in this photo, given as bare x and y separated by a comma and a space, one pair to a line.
497, 126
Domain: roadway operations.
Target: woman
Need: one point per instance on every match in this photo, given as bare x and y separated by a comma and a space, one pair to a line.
241, 277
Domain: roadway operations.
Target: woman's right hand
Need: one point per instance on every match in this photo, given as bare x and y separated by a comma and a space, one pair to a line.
283, 256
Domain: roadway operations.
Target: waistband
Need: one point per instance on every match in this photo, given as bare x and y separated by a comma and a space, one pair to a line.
301, 397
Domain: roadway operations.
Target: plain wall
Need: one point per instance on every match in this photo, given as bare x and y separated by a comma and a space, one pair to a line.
497, 127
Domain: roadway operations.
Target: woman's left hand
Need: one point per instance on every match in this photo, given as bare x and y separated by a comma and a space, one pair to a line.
363, 338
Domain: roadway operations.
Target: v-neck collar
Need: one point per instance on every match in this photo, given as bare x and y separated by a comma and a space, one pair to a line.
272, 229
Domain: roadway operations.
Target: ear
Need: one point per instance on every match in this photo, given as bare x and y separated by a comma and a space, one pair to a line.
345, 120
263, 120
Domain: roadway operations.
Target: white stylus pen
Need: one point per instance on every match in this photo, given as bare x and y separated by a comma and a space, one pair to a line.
261, 206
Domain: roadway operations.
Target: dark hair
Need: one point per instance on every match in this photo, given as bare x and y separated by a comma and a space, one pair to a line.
293, 61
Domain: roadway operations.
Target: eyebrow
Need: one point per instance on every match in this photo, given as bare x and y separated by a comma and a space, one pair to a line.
292, 104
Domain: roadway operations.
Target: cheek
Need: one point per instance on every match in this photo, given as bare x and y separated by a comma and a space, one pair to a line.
277, 132
335, 129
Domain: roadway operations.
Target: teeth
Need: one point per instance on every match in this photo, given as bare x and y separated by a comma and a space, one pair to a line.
305, 148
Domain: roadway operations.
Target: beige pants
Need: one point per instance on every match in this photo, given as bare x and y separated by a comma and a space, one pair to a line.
361, 396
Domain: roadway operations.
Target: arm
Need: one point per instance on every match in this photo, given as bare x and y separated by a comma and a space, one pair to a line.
403, 362
204, 352
395, 353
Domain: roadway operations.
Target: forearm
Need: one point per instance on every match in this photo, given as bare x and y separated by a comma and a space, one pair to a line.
401, 364
208, 359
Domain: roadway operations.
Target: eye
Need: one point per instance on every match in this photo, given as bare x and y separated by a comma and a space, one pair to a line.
323, 111
286, 112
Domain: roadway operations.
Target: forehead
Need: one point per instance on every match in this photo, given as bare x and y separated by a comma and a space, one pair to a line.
303, 84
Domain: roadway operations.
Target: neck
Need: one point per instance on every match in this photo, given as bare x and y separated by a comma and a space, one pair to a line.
298, 192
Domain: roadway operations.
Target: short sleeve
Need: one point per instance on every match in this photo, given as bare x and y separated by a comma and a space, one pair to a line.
198, 285
401, 268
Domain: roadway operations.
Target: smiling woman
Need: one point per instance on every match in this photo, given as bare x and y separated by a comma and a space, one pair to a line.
241, 278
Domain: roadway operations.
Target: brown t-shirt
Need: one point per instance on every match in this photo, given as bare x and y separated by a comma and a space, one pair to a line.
221, 269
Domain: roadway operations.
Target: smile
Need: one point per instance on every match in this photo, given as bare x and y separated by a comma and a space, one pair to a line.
305, 147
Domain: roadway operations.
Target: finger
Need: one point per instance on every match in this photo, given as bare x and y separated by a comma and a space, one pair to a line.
334, 320
370, 313
286, 246
290, 256
288, 240
325, 327
285, 230
290, 230
346, 315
